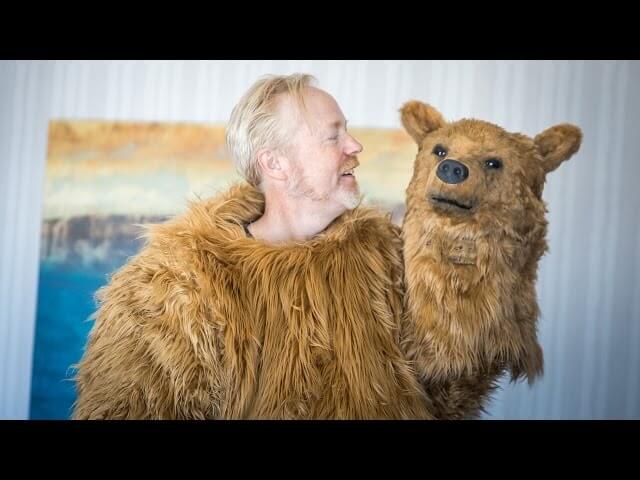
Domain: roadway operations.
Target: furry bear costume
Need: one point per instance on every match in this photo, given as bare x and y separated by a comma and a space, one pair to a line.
207, 323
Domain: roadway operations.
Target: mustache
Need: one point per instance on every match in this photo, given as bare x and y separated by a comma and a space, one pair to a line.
352, 162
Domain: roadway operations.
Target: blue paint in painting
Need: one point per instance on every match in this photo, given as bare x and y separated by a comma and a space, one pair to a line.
65, 306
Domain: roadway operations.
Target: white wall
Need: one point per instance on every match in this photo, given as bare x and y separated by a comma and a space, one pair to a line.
589, 284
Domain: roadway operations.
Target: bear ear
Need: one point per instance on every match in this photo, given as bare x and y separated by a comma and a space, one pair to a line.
418, 119
557, 144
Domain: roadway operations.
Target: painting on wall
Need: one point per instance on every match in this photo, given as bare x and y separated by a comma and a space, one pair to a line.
105, 179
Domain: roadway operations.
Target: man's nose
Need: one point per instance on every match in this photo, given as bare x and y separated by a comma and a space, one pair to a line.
353, 146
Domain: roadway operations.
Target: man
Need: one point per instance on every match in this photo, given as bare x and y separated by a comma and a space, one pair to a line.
281, 298
303, 164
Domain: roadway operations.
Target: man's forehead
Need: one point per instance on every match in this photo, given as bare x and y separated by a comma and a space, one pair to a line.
315, 107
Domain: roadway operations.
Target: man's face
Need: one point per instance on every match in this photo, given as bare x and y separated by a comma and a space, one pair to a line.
322, 155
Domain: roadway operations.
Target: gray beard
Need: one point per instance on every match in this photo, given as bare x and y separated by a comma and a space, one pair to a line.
299, 188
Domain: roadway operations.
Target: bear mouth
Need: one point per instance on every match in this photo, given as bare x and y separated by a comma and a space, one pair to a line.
447, 203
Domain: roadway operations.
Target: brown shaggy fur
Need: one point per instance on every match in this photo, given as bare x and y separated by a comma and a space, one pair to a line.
206, 323
471, 310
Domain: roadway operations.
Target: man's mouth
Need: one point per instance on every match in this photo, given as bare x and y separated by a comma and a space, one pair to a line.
446, 202
350, 166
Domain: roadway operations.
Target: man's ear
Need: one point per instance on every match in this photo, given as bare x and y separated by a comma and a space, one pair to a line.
419, 119
557, 144
271, 164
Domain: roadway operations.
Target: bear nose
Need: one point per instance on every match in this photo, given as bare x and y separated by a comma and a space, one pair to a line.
452, 171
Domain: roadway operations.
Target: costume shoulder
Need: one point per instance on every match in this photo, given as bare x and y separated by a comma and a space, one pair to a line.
370, 226
206, 224
365, 221
158, 329
182, 256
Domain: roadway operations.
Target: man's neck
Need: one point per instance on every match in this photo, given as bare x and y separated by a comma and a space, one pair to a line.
292, 219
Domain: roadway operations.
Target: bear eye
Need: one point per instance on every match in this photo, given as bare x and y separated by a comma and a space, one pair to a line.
440, 151
493, 163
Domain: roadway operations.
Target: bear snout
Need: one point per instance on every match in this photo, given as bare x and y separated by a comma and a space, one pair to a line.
452, 171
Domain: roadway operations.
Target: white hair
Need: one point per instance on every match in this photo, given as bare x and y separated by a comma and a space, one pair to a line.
255, 124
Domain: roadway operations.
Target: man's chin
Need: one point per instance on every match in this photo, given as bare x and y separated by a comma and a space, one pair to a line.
350, 199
